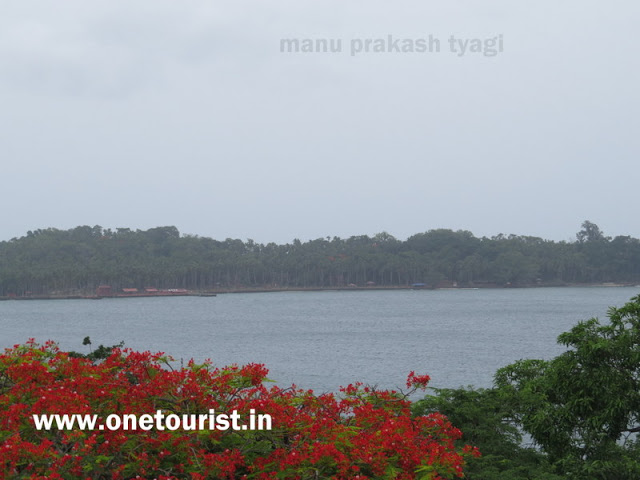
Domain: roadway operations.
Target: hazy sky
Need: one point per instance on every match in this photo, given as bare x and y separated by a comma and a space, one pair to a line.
157, 112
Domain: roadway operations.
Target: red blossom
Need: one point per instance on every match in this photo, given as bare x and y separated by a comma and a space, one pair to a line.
363, 433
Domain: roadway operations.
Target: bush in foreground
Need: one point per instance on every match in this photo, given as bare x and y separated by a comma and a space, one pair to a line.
580, 410
360, 434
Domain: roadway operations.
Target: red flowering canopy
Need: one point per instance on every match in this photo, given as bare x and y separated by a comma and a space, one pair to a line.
362, 433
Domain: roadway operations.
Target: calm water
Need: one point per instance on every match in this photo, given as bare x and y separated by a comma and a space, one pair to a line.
322, 340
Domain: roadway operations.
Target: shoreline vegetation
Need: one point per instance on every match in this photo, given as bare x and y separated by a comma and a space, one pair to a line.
213, 293
97, 262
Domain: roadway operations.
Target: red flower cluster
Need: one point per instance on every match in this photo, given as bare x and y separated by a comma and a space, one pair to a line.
359, 434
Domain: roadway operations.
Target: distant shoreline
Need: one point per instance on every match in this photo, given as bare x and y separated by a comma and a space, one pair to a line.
222, 291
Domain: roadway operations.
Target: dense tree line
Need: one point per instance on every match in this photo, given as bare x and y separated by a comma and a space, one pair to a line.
51, 260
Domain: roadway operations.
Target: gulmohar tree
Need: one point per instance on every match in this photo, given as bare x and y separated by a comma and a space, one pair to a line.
359, 434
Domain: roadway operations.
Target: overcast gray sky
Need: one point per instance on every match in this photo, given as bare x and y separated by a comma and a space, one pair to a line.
157, 112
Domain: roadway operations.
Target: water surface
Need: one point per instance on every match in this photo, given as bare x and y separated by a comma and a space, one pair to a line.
322, 340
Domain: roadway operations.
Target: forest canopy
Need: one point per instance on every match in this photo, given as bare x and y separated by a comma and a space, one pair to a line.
80, 259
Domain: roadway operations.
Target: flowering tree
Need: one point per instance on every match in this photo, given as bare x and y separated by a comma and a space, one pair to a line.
362, 433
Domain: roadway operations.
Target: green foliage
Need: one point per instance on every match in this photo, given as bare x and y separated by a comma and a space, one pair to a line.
78, 260
487, 422
100, 353
581, 409
583, 406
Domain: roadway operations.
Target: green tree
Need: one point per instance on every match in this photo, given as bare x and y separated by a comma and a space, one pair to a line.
583, 407
590, 233
487, 422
